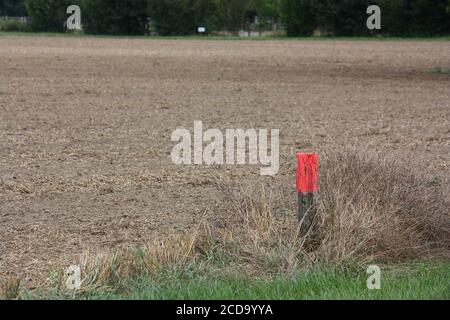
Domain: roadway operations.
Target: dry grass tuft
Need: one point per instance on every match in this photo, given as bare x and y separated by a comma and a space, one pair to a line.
370, 208
10, 289
115, 268
174, 250
373, 207
261, 230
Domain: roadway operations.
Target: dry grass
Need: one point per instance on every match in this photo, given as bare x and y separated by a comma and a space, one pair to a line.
373, 207
104, 271
10, 289
260, 230
370, 208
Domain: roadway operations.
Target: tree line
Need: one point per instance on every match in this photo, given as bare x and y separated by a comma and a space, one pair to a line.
182, 17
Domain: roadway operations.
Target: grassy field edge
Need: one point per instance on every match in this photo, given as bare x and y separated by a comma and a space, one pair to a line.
424, 281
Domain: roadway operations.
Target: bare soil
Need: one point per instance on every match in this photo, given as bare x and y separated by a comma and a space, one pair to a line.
85, 127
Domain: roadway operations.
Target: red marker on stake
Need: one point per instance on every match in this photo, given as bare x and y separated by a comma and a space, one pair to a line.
307, 186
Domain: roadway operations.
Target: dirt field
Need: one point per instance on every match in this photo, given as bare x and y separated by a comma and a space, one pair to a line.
86, 124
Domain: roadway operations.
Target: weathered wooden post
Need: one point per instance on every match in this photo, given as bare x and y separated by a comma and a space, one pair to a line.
307, 187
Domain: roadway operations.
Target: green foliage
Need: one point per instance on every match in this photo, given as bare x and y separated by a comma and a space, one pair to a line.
11, 25
348, 17
265, 9
394, 20
118, 17
343, 18
173, 17
426, 17
232, 14
270, 8
416, 281
48, 15
415, 17
12, 8
205, 14
298, 17
425, 281
182, 17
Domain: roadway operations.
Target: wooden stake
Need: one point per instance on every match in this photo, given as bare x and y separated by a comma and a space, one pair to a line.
305, 209
307, 187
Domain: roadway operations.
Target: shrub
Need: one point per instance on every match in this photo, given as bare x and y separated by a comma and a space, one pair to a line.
12, 8
182, 17
298, 17
370, 208
348, 17
48, 15
11, 25
375, 207
115, 17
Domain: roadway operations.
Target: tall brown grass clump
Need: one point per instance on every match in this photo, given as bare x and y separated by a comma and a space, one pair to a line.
9, 289
370, 208
113, 269
259, 229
